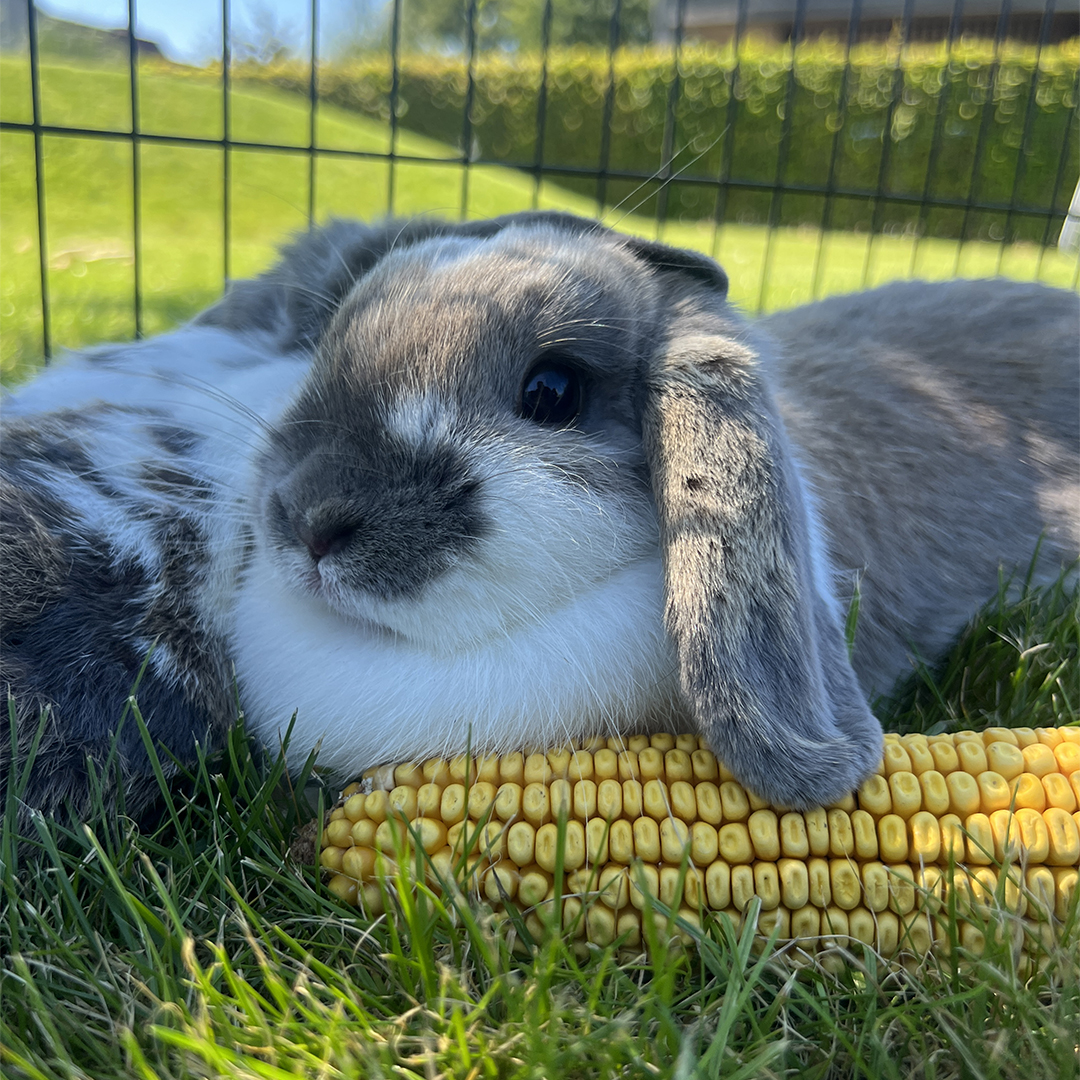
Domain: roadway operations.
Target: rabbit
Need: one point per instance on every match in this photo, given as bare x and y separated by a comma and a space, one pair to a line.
543, 481
510, 482
121, 538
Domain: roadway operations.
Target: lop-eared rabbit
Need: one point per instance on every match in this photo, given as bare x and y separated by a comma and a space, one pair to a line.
496, 485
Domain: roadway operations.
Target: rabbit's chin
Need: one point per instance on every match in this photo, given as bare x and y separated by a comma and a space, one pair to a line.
601, 664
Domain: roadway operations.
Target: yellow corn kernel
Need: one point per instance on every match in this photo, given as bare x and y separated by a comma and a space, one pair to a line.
581, 766
677, 766
972, 757
1063, 837
817, 871
559, 760
614, 887
817, 831
674, 839
994, 792
919, 752
875, 884
655, 799
683, 798
339, 832
609, 801
521, 843
892, 838
999, 735
844, 880
704, 765
935, 792
546, 846
742, 886
632, 798
1039, 759
621, 842
1065, 881
562, 797
1006, 760
953, 842
585, 799
901, 888
534, 884
644, 883
646, 839
718, 885
945, 759
454, 804
980, 839
734, 843
605, 764
1028, 792
764, 834
896, 759
906, 793
363, 832
736, 805
709, 804
1067, 755
794, 842
1058, 793
597, 832
805, 926
875, 796
704, 843
508, 801
924, 831
862, 925
651, 763
344, 888
332, 857
841, 836
964, 795
794, 883
864, 833
481, 799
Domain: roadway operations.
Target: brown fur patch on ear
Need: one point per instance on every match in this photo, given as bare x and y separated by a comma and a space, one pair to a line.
35, 566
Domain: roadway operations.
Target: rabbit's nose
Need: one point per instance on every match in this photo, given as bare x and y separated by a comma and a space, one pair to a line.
323, 535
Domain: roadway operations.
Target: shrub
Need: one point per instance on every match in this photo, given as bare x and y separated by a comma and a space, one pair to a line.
959, 125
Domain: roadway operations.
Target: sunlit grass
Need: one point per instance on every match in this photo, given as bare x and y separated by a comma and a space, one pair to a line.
200, 948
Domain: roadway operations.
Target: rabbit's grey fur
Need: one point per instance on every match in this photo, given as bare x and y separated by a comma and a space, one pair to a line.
680, 554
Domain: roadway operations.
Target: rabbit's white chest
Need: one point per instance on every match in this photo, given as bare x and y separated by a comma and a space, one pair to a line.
365, 696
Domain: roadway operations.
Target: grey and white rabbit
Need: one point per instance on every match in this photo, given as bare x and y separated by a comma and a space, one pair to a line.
431, 486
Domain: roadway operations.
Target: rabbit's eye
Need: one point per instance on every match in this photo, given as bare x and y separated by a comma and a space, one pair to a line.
551, 394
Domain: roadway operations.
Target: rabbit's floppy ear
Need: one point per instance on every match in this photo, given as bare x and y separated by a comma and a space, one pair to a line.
762, 659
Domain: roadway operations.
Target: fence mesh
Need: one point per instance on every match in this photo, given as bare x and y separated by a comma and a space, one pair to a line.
812, 147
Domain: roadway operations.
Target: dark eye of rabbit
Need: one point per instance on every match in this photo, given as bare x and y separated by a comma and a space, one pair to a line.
552, 393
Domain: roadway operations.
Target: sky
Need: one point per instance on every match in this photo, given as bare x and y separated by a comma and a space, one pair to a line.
189, 31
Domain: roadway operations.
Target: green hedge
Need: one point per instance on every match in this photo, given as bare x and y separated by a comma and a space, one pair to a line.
977, 98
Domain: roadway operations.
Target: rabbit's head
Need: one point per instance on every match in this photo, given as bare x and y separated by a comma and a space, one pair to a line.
534, 486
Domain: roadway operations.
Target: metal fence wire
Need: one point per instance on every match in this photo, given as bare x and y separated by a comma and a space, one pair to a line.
705, 136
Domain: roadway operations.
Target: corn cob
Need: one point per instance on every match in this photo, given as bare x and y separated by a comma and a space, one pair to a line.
951, 830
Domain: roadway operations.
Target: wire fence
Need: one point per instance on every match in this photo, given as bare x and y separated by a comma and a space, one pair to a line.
793, 230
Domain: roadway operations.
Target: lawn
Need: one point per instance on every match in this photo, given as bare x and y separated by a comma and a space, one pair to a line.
89, 222
194, 947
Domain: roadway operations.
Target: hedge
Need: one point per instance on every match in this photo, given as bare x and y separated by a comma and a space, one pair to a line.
972, 106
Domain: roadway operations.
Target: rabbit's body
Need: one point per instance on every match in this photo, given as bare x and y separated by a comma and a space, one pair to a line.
123, 537
941, 429
390, 537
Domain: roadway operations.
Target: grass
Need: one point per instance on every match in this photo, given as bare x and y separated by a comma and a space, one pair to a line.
89, 221
197, 948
